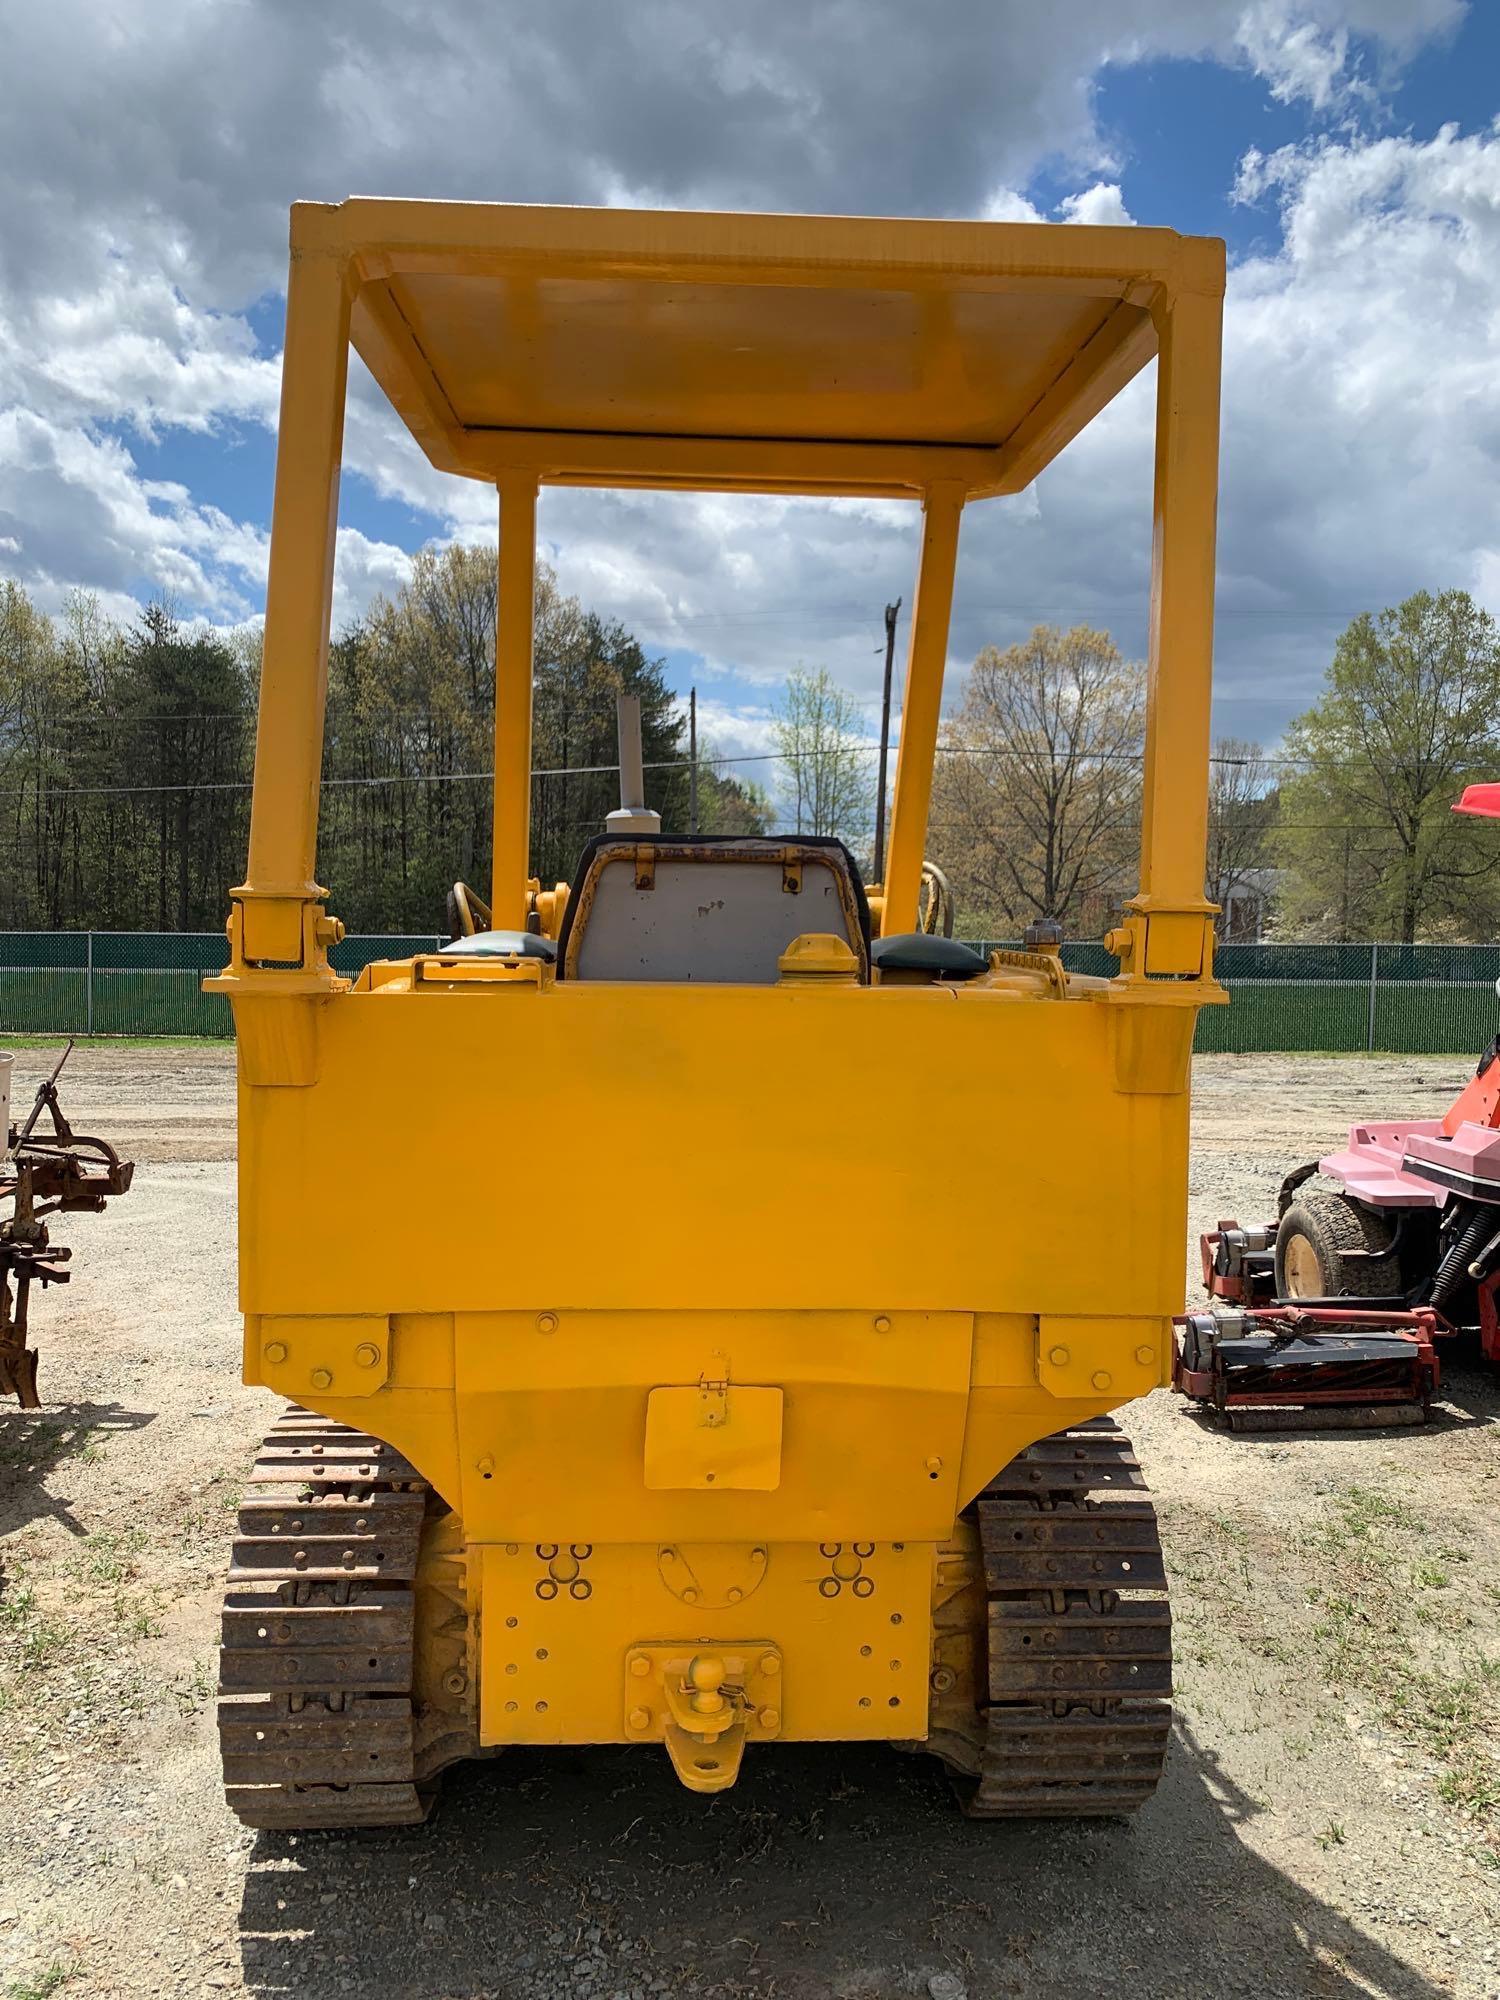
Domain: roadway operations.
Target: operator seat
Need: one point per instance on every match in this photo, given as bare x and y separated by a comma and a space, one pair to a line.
707, 909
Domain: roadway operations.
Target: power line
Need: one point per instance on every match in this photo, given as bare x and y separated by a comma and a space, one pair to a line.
477, 777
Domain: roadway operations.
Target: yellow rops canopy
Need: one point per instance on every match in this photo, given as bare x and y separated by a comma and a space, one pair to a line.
942, 361
784, 353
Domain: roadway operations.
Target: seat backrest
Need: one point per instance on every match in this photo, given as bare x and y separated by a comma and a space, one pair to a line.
707, 910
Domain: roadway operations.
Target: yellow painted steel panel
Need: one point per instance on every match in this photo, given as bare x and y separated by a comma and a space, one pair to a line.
853, 1630
872, 1434
563, 326
724, 1436
988, 1141
666, 358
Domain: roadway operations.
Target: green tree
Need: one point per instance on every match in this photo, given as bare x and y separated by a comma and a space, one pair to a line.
407, 797
1410, 713
826, 777
181, 712
125, 757
38, 695
727, 803
588, 663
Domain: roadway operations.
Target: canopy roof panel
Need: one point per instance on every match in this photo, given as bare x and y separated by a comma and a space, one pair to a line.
791, 353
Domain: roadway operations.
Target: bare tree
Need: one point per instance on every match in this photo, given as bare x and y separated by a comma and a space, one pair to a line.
1036, 799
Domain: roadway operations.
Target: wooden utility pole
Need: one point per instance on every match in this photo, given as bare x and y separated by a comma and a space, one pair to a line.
692, 760
878, 862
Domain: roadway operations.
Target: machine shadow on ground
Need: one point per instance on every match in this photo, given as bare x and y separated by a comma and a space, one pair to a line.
35, 1443
1471, 1392
842, 1870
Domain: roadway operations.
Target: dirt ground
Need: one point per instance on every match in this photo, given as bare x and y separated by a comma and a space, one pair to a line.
1329, 1823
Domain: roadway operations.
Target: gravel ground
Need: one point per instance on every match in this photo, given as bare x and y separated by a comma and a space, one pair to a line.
1329, 1823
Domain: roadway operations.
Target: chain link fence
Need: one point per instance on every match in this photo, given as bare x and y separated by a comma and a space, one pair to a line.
1398, 999
1432, 999
1403, 999
138, 982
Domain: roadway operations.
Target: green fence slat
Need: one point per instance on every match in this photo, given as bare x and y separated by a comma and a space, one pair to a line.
31, 951
43, 1000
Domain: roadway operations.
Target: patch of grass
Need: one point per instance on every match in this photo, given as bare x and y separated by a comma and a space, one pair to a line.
1449, 1707
57, 1974
194, 1690
1359, 1514
32, 1641
1394, 1623
1472, 1784
136, 1620
1332, 1835
108, 1555
112, 1557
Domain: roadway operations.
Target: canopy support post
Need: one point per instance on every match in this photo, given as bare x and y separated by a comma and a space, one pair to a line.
1169, 925
515, 617
275, 918
921, 706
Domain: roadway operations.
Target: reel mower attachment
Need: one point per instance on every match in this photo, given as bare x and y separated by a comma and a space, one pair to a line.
1309, 1366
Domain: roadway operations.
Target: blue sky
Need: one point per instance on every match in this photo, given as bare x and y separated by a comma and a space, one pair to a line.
1183, 126
141, 308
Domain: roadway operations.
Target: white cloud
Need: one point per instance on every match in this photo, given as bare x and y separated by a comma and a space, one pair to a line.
1295, 56
1303, 51
62, 489
1102, 204
1004, 204
133, 350
362, 571
1361, 460
1359, 399
741, 730
61, 486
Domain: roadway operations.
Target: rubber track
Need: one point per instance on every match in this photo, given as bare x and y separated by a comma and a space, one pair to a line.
1080, 1636
315, 1668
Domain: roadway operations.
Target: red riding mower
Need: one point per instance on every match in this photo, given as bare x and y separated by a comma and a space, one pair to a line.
1332, 1315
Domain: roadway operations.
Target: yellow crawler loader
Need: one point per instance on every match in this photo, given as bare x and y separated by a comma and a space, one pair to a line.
649, 1441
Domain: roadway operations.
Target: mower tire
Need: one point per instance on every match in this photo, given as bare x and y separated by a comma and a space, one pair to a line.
1329, 1247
